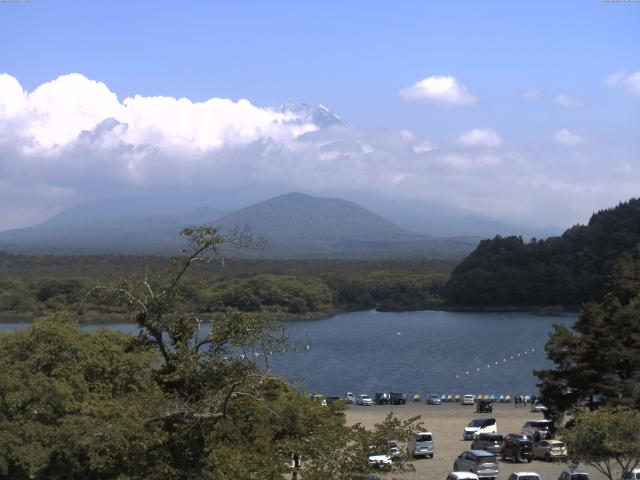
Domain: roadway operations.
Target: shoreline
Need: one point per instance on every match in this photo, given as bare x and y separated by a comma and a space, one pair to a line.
107, 318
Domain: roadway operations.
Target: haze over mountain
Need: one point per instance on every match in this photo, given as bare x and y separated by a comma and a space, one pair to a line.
296, 226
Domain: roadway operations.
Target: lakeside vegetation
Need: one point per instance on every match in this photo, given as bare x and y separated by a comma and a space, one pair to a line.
32, 286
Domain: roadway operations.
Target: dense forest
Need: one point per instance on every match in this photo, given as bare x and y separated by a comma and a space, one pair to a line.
566, 270
32, 286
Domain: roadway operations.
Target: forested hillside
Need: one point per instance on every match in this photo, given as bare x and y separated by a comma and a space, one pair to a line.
565, 270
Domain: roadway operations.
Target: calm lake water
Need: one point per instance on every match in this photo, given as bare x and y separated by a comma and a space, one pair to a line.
413, 352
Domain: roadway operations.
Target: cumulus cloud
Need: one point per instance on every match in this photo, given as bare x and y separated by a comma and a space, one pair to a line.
480, 137
566, 101
56, 113
532, 93
438, 90
629, 82
566, 137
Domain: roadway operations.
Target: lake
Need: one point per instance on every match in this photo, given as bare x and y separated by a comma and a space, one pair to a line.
413, 352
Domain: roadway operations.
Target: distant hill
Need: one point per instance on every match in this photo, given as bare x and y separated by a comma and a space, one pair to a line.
432, 218
296, 226
565, 270
300, 217
128, 225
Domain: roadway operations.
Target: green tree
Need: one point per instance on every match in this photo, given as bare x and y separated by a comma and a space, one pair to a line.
77, 405
342, 452
597, 360
606, 439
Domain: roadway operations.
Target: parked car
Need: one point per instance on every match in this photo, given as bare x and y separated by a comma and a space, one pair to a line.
524, 476
539, 429
632, 475
462, 476
381, 398
332, 400
517, 447
538, 407
394, 449
478, 426
420, 445
491, 442
380, 460
550, 450
468, 400
434, 399
321, 399
397, 398
483, 464
350, 397
484, 406
364, 399
573, 474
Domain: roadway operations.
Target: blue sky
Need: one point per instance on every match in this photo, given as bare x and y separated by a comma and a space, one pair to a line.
356, 58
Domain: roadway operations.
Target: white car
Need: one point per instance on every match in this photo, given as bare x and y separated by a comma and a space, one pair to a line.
350, 397
468, 400
524, 476
462, 476
381, 461
364, 399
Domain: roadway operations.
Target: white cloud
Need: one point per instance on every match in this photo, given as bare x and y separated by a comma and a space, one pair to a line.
480, 137
565, 137
630, 82
406, 134
567, 101
532, 93
438, 90
56, 113
424, 147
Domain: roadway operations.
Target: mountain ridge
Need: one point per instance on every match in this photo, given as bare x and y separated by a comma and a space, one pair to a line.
297, 225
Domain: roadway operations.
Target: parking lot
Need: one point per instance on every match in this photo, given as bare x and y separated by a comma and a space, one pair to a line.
447, 422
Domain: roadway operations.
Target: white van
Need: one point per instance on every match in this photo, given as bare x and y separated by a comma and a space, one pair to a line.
478, 426
420, 445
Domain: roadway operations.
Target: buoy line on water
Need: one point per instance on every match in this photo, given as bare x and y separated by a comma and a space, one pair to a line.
496, 363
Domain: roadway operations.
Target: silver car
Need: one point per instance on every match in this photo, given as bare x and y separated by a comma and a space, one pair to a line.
364, 399
421, 445
490, 442
433, 399
480, 462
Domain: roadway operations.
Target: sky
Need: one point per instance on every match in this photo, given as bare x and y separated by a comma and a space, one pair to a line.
527, 112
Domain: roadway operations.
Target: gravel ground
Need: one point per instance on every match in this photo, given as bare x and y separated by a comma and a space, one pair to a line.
447, 422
